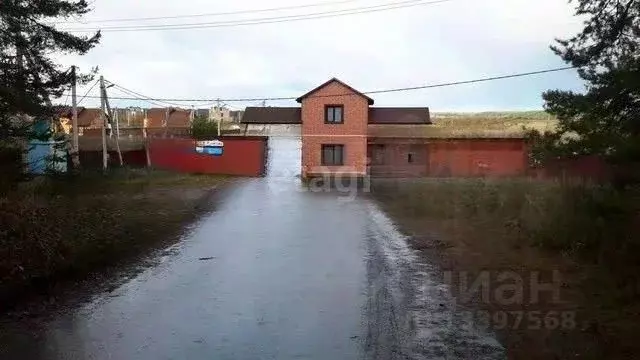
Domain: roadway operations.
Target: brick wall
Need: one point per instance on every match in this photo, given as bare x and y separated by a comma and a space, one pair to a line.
352, 133
398, 159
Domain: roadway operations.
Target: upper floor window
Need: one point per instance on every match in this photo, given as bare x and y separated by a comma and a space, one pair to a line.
334, 114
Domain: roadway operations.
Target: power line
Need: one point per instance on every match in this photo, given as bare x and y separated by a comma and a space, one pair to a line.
143, 97
232, 107
236, 12
411, 88
66, 100
472, 81
86, 95
268, 20
139, 97
272, 20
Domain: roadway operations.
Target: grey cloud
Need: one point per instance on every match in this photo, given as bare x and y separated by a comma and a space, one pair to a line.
452, 41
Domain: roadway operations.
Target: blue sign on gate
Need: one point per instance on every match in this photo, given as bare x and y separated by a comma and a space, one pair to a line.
210, 147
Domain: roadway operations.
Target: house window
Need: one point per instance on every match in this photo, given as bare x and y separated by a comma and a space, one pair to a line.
415, 154
378, 155
332, 155
333, 114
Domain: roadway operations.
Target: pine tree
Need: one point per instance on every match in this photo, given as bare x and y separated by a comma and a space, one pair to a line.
29, 77
605, 119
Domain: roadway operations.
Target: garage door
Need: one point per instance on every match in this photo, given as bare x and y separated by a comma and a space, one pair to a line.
284, 161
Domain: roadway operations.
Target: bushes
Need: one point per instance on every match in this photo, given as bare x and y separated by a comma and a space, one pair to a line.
593, 221
586, 232
53, 229
11, 167
204, 129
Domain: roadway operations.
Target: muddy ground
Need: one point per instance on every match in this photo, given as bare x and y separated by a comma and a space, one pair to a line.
585, 320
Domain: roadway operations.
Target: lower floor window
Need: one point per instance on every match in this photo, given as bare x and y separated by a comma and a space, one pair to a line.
332, 155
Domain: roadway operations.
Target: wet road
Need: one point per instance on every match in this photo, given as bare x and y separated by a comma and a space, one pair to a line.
290, 274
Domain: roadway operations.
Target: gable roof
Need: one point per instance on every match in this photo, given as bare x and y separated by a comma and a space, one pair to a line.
369, 100
400, 116
157, 117
272, 115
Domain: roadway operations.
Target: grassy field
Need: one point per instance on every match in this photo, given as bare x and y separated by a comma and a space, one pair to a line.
497, 124
64, 228
586, 233
521, 115
471, 125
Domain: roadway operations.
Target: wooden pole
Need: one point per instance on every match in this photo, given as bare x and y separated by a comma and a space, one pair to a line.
146, 150
105, 155
116, 119
75, 156
219, 115
111, 117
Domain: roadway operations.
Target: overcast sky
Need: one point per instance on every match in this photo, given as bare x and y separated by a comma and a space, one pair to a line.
426, 44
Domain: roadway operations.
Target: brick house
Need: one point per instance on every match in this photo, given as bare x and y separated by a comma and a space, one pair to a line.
168, 117
160, 122
87, 118
343, 133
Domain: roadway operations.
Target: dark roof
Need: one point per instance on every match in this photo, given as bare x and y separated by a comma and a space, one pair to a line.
369, 100
399, 116
381, 116
272, 115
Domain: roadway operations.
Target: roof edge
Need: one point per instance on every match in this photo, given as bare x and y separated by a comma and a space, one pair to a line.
369, 100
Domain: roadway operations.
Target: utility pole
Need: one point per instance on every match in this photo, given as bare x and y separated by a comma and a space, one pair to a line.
116, 119
75, 156
219, 115
111, 117
103, 106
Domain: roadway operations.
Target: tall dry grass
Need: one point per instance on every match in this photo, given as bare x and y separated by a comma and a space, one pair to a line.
54, 229
594, 222
587, 232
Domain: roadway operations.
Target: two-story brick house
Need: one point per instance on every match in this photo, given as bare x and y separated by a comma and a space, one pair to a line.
343, 133
334, 130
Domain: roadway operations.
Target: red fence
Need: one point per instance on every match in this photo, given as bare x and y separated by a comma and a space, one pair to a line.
243, 156
586, 167
477, 158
